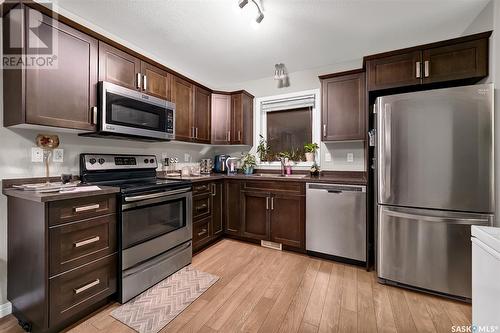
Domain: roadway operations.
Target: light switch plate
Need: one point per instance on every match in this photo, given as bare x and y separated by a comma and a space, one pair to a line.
36, 155
58, 155
350, 157
328, 157
187, 157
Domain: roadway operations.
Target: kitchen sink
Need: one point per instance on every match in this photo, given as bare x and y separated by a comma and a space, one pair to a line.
277, 175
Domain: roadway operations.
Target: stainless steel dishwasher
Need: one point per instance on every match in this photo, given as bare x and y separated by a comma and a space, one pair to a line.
336, 220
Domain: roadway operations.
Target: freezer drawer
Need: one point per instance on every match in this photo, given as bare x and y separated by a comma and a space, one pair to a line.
426, 248
336, 220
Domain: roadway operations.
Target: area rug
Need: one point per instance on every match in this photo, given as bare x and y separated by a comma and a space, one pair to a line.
156, 307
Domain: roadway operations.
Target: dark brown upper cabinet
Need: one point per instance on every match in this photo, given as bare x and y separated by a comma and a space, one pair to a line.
64, 96
156, 81
221, 119
343, 110
119, 67
241, 118
464, 58
395, 71
202, 115
183, 97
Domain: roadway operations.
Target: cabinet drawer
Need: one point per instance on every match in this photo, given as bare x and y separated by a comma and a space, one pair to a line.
276, 186
202, 188
75, 291
82, 208
201, 206
201, 232
78, 243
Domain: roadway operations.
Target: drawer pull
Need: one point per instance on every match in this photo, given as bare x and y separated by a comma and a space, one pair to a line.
87, 286
86, 208
87, 241
203, 231
201, 207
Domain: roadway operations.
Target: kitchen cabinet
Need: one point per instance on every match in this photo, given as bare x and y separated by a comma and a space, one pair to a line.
182, 96
241, 132
221, 119
202, 114
464, 58
64, 96
232, 225
288, 220
255, 215
343, 110
156, 81
63, 254
207, 213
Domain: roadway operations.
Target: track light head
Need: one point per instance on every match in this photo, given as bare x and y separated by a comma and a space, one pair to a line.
260, 17
242, 3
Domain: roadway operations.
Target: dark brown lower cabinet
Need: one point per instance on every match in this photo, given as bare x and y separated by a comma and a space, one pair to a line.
61, 266
207, 213
255, 215
288, 220
232, 224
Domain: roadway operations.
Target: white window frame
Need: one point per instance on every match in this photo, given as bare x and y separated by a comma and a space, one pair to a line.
260, 122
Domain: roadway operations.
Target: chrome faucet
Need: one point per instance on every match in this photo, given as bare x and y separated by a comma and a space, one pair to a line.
283, 161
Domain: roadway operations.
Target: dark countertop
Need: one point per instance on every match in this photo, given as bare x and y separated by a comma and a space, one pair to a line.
46, 197
333, 177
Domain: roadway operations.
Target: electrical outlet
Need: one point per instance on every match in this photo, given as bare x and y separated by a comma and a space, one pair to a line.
58, 155
36, 155
328, 157
350, 157
187, 157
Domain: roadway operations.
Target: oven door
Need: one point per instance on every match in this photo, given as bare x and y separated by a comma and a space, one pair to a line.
128, 112
154, 223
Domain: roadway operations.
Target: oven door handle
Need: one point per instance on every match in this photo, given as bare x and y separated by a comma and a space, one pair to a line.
155, 195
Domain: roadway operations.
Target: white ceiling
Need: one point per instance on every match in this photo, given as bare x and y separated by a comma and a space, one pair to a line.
215, 42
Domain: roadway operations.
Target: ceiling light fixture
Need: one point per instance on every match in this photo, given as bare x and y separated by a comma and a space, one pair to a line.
281, 75
260, 17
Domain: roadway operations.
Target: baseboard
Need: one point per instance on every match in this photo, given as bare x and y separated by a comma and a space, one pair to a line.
5, 309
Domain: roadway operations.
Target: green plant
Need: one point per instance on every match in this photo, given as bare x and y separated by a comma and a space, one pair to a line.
285, 154
311, 147
248, 161
263, 149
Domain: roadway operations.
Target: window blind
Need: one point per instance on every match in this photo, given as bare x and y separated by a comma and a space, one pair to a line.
288, 103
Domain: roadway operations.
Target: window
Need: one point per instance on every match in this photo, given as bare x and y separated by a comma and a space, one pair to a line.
289, 130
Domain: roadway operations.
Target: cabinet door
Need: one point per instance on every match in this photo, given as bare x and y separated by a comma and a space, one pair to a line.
236, 119
221, 119
182, 96
343, 112
288, 220
247, 104
455, 62
232, 207
64, 96
156, 81
394, 71
217, 208
255, 211
119, 67
202, 113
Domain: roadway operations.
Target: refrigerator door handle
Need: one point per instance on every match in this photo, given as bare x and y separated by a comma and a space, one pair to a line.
385, 152
441, 219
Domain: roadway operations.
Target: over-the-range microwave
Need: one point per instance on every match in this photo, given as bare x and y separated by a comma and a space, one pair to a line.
131, 114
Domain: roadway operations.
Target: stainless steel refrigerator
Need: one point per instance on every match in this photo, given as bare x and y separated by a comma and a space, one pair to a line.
434, 179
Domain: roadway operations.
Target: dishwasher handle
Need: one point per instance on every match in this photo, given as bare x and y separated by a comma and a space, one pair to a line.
336, 188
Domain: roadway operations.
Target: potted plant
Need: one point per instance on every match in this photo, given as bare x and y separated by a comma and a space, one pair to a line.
248, 163
263, 149
310, 149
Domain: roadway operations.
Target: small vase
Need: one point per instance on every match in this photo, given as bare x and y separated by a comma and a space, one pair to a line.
309, 157
248, 171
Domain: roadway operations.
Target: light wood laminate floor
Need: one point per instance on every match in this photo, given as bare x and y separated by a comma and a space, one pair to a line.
264, 290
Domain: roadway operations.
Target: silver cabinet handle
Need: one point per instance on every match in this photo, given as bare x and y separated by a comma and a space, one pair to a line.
196, 133
267, 203
324, 130
86, 208
203, 231
239, 135
87, 241
144, 83
214, 190
192, 132
272, 203
426, 68
201, 207
138, 78
417, 70
228, 136
87, 286
94, 114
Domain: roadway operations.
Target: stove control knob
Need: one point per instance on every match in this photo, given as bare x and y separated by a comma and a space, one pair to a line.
151, 160
146, 160
101, 161
92, 161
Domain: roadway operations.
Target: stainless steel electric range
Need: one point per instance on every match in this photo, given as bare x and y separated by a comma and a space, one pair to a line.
154, 221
